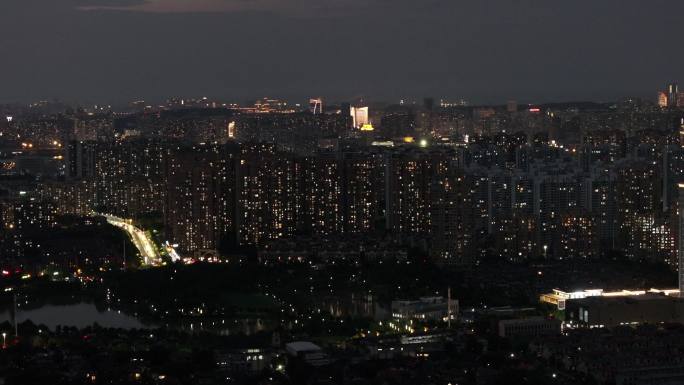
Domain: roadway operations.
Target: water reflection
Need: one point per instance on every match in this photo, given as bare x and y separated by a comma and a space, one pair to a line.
225, 327
356, 306
85, 314
79, 315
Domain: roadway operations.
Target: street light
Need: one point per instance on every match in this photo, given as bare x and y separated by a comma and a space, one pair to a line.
4, 340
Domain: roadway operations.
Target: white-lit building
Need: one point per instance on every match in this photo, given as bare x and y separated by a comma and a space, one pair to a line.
316, 106
559, 297
359, 116
244, 360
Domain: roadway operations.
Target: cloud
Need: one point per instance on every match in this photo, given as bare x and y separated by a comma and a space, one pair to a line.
214, 6
109, 3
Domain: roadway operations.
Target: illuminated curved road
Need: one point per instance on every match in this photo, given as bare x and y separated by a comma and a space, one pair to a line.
150, 254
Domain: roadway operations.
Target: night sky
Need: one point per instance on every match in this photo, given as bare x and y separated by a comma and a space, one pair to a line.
482, 50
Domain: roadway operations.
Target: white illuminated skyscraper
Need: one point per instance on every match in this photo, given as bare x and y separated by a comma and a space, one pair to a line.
316, 106
359, 116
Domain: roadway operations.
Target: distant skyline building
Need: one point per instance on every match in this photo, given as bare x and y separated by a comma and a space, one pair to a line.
359, 116
429, 104
271, 105
512, 106
79, 160
671, 97
662, 99
316, 106
672, 94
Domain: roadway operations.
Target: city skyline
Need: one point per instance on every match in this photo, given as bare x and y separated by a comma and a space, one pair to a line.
405, 232
366, 192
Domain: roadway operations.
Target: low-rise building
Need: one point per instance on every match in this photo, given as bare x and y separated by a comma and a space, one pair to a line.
529, 327
308, 352
244, 360
628, 310
425, 308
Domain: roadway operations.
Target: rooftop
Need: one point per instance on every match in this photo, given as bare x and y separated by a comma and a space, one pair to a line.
302, 346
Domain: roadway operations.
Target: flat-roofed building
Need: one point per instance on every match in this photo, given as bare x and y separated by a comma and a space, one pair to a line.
425, 308
308, 352
529, 327
560, 298
606, 311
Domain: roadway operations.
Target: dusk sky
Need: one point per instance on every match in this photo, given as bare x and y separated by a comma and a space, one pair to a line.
481, 50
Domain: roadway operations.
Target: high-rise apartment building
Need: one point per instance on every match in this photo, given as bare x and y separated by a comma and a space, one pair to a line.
199, 211
269, 202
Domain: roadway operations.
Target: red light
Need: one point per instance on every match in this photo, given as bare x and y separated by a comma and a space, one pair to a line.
5, 272
535, 110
